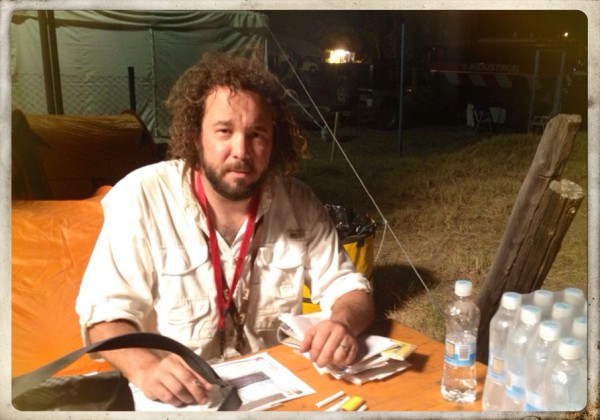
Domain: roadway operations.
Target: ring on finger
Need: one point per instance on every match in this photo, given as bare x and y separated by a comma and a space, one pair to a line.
344, 347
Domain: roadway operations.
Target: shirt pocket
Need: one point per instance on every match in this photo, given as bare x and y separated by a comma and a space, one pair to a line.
181, 271
180, 261
188, 321
278, 281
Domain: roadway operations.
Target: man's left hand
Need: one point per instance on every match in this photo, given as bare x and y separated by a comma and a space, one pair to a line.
330, 342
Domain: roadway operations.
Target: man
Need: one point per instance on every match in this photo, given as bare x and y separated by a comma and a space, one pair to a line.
211, 246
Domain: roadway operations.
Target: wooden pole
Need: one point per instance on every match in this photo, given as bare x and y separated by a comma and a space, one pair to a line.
539, 219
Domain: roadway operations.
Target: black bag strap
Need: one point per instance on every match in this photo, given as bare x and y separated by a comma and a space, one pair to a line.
24, 383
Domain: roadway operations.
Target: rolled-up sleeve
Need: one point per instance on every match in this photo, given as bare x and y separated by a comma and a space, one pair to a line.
331, 271
118, 281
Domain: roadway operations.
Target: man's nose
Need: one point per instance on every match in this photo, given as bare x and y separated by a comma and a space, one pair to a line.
239, 145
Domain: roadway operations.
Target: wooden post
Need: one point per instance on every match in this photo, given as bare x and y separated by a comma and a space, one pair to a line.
540, 217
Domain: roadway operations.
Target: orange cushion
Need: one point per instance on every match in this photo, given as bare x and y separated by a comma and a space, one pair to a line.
51, 245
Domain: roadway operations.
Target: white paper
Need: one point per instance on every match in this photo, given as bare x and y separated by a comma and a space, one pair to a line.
369, 345
370, 364
261, 381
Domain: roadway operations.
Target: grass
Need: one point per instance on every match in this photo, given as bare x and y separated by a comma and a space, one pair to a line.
447, 198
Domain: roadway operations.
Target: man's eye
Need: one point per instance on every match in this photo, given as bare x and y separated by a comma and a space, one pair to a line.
259, 135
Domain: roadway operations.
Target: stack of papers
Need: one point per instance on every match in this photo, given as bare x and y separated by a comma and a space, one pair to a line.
378, 357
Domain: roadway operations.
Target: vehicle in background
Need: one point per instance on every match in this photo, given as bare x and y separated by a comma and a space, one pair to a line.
359, 91
523, 77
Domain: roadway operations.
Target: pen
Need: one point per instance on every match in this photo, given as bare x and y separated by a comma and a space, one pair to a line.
329, 399
336, 407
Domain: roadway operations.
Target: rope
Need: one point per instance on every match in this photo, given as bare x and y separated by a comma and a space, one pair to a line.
337, 143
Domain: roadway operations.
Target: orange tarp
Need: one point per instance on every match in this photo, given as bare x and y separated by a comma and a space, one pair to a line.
51, 245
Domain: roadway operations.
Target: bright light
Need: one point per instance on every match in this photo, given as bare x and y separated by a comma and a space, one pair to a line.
339, 56
566, 34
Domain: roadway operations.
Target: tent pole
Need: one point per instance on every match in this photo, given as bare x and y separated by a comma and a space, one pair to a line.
533, 88
401, 90
131, 79
52, 83
558, 85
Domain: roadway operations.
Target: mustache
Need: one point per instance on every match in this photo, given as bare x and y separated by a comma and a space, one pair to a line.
239, 165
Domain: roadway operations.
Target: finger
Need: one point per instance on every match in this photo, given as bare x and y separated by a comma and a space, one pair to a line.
307, 342
181, 381
195, 385
161, 392
178, 390
330, 347
345, 352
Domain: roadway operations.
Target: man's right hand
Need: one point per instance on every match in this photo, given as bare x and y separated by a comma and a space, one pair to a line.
167, 379
172, 381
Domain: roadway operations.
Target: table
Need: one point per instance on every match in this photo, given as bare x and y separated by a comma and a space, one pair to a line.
414, 389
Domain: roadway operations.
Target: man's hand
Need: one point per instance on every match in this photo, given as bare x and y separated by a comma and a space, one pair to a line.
167, 379
334, 340
330, 342
172, 381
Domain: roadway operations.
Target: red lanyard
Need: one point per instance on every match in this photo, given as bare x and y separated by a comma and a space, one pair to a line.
224, 302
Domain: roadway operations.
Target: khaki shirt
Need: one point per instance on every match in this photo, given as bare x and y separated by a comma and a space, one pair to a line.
151, 265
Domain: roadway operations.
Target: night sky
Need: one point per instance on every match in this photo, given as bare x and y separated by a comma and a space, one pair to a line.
358, 30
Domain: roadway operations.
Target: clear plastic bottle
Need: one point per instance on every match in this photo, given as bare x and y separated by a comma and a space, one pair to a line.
579, 331
536, 359
544, 299
502, 322
565, 380
516, 345
562, 313
459, 379
575, 298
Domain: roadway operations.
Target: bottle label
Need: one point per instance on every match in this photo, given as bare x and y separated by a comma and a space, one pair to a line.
460, 354
533, 401
515, 385
496, 368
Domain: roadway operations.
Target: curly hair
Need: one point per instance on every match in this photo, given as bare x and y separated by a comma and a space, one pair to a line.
187, 100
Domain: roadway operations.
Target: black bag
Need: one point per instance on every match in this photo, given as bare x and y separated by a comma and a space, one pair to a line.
106, 391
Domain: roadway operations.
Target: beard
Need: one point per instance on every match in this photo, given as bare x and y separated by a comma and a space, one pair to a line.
239, 190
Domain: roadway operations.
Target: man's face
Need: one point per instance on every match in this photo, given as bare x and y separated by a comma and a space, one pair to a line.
236, 142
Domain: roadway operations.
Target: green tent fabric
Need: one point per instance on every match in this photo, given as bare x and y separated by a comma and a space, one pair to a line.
96, 48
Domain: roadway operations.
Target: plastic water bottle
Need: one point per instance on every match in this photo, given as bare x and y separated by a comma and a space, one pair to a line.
516, 346
579, 331
536, 359
575, 298
544, 299
562, 313
565, 381
462, 321
502, 322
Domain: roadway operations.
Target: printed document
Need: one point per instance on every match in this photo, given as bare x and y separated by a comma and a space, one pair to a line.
261, 381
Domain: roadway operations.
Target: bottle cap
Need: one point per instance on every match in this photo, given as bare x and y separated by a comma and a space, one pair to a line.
530, 314
580, 326
511, 300
573, 295
549, 330
562, 310
543, 297
570, 348
463, 288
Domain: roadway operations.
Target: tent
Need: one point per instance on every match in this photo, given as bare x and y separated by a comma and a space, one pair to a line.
107, 61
